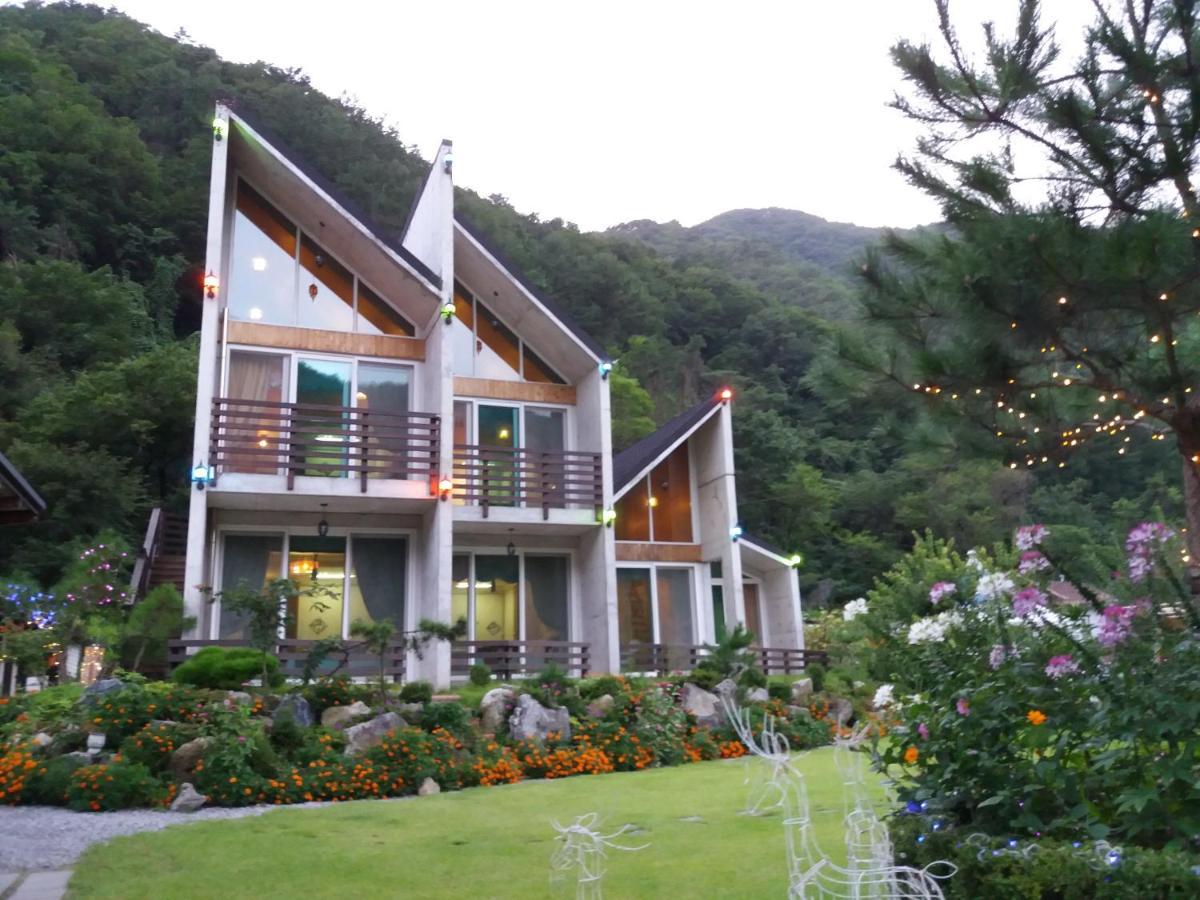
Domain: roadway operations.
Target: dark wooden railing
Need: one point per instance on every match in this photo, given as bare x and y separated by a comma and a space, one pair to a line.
292, 654
663, 658
260, 437
145, 556
506, 476
508, 659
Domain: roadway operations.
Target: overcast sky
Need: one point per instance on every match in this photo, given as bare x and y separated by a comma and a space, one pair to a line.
600, 113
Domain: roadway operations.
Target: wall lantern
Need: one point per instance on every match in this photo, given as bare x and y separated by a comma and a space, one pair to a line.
735, 532
725, 395
211, 283
323, 525
445, 486
796, 560
447, 312
607, 517
511, 549
202, 475
218, 126
605, 368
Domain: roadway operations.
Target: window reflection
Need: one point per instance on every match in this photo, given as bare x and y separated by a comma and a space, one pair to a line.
262, 268
325, 293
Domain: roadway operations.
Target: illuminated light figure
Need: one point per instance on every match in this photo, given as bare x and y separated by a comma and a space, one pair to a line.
582, 849
870, 872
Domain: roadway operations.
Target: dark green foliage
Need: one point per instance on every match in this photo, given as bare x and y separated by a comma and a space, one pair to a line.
480, 674
51, 779
704, 678
781, 692
816, 672
416, 692
336, 691
752, 678
227, 668
115, 785
453, 717
154, 620
731, 657
591, 688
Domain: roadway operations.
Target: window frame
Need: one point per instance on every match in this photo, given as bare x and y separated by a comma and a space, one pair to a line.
694, 581
461, 288
573, 617
693, 495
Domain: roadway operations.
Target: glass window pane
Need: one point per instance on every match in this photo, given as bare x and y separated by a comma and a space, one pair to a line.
496, 589
459, 593
633, 606
462, 332
377, 581
319, 435
537, 370
496, 350
674, 606
249, 562
253, 434
383, 388
385, 441
753, 612
376, 316
546, 597
544, 429
633, 514
262, 262
671, 497
325, 293
498, 474
718, 603
318, 567
462, 437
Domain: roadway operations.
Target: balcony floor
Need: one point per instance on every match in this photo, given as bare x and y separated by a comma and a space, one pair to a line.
242, 491
469, 519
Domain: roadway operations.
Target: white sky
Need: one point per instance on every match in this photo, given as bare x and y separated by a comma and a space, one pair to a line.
600, 113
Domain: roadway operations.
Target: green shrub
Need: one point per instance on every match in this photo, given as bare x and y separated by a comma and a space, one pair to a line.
782, 692
226, 668
153, 745
816, 671
416, 692
613, 685
115, 785
481, 674
752, 678
453, 717
237, 769
705, 678
336, 691
50, 781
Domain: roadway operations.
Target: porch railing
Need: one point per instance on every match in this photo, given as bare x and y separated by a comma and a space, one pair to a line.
264, 438
509, 659
507, 476
661, 659
292, 654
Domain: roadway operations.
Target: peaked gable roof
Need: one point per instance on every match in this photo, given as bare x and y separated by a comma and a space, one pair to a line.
18, 493
280, 146
633, 462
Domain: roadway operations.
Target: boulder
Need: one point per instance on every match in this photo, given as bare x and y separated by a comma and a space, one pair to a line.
532, 721
600, 707
494, 709
727, 688
410, 712
367, 734
802, 689
41, 739
297, 707
340, 716
798, 712
428, 786
188, 799
757, 695
238, 698
187, 756
98, 689
841, 710
702, 704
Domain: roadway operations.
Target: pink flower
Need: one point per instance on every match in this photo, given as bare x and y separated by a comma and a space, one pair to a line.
1029, 536
1141, 543
941, 590
1116, 625
1027, 600
923, 731
963, 707
996, 657
1032, 561
1059, 666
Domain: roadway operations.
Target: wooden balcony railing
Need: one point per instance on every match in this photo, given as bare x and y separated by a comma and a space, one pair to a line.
292, 654
263, 438
661, 659
506, 476
508, 659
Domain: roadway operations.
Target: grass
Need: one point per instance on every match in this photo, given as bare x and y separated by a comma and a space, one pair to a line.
480, 843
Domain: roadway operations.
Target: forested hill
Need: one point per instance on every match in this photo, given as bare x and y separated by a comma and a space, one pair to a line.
105, 141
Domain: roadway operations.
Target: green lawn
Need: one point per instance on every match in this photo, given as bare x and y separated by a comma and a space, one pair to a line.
479, 843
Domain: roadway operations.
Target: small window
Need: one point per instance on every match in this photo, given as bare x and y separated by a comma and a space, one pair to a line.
376, 316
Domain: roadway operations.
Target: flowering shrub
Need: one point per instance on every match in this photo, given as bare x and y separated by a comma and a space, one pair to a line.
1033, 716
153, 745
116, 785
16, 766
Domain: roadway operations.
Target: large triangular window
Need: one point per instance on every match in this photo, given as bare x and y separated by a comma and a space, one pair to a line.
485, 347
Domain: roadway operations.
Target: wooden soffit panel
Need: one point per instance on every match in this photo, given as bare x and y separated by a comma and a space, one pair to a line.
494, 389
630, 551
287, 337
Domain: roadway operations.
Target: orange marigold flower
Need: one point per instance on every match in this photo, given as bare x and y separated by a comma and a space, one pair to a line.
1036, 717
911, 755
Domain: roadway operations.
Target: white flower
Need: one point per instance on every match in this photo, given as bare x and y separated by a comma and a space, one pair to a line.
933, 629
992, 585
854, 609
885, 696
973, 561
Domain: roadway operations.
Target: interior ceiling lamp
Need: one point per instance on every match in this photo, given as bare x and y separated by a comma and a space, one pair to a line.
323, 525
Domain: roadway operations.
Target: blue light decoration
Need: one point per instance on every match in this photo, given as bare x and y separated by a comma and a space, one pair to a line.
736, 532
605, 367
202, 475
1113, 857
913, 807
1012, 842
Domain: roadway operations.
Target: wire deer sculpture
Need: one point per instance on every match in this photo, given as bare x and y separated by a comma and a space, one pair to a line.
582, 848
870, 872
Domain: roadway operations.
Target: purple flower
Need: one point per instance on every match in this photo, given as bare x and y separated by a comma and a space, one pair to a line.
963, 707
1032, 561
923, 731
1029, 536
1141, 543
1027, 600
1116, 625
1060, 666
941, 590
996, 657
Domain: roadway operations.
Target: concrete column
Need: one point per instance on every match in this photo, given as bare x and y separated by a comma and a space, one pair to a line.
712, 460
597, 556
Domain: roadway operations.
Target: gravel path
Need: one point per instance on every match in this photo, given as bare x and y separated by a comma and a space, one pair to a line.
47, 837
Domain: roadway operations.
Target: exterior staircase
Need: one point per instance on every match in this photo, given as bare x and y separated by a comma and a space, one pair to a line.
162, 554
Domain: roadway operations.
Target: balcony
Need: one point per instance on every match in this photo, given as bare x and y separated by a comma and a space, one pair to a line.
532, 479
509, 659
254, 437
662, 659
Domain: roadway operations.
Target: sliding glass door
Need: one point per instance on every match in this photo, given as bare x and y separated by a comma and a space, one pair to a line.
511, 598
320, 437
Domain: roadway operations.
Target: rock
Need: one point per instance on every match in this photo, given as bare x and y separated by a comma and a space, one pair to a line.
799, 712
410, 712
702, 704
494, 709
368, 734
802, 689
163, 723
757, 695
187, 756
340, 716
239, 698
428, 786
188, 799
81, 755
41, 739
727, 688
600, 707
532, 721
98, 689
841, 710
297, 707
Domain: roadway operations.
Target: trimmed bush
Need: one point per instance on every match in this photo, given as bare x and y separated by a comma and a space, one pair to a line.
416, 692
115, 785
453, 717
49, 782
226, 668
816, 672
336, 691
481, 674
613, 685
781, 692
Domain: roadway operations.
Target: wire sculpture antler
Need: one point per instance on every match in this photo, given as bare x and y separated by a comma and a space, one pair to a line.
870, 872
580, 847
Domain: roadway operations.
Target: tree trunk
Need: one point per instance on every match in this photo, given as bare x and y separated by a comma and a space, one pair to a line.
1191, 506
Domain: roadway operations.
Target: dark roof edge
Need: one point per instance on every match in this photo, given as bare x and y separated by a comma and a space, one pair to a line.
633, 460
553, 307
334, 192
24, 490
